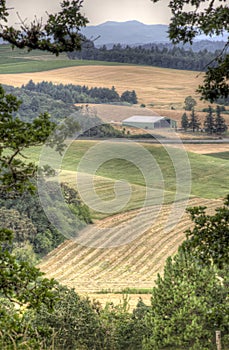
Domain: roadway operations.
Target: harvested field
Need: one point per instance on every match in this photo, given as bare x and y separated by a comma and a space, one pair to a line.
206, 148
114, 113
134, 265
160, 87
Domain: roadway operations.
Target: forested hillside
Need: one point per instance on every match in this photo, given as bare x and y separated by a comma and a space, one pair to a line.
153, 55
59, 100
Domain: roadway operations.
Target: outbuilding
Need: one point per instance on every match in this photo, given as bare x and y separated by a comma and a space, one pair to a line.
149, 122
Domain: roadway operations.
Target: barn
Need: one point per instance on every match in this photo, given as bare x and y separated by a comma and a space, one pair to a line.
149, 122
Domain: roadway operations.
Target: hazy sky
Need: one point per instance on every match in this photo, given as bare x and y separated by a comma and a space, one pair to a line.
98, 11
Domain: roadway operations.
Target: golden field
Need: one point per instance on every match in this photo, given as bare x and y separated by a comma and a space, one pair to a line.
159, 87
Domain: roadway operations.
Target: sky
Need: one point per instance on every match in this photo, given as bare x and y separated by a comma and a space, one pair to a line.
97, 11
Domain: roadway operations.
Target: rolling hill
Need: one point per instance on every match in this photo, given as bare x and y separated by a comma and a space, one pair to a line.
133, 33
90, 269
157, 87
134, 265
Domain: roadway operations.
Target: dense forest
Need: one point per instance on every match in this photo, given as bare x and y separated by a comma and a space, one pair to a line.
81, 94
153, 55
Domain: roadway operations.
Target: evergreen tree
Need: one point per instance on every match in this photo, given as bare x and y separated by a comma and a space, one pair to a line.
209, 122
189, 304
220, 124
184, 122
208, 241
194, 123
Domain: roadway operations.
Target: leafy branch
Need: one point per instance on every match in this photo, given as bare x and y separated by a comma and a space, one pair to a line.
60, 33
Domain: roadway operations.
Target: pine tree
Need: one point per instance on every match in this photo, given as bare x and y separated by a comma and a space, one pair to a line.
134, 97
209, 122
194, 123
188, 304
220, 124
184, 122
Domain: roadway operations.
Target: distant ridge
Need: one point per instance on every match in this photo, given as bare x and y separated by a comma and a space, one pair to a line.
133, 32
130, 32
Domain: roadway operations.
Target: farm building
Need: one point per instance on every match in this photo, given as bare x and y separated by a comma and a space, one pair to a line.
149, 122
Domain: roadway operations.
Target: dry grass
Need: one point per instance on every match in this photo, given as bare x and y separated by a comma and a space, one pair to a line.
134, 265
112, 113
117, 299
206, 148
161, 87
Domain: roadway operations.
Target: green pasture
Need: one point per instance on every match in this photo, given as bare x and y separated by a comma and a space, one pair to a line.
223, 155
209, 175
21, 61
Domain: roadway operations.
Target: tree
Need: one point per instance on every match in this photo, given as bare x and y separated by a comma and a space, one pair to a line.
22, 287
185, 25
209, 122
189, 103
184, 122
209, 239
129, 96
60, 33
189, 303
20, 224
74, 322
194, 123
15, 136
220, 124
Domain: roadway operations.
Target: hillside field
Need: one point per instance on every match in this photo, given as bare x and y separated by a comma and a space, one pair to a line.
156, 87
135, 265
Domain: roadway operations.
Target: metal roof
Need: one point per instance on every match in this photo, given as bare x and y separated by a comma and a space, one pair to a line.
143, 119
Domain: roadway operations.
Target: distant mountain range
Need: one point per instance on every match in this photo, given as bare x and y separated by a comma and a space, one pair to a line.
132, 32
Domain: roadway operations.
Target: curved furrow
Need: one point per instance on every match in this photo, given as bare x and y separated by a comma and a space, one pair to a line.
77, 254
91, 260
90, 267
57, 254
95, 264
134, 264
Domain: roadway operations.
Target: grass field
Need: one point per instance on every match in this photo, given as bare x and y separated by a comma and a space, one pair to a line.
22, 61
213, 172
156, 86
209, 175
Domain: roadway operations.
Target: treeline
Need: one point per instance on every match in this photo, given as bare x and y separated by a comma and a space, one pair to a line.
213, 123
72, 94
167, 57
